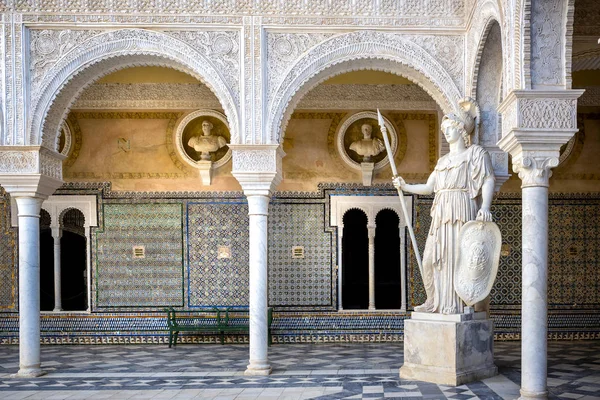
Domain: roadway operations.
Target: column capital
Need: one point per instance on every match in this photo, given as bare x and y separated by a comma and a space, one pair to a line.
535, 124
257, 168
56, 232
30, 171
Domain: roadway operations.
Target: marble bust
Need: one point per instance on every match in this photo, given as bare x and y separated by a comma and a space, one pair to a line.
368, 146
463, 183
206, 143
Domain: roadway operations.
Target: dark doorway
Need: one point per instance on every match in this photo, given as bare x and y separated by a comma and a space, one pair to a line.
46, 263
355, 259
73, 261
387, 261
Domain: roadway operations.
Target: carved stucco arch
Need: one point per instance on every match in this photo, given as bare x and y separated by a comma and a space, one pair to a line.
357, 208
356, 51
112, 51
401, 222
486, 13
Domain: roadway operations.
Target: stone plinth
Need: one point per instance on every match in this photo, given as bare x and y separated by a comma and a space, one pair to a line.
448, 349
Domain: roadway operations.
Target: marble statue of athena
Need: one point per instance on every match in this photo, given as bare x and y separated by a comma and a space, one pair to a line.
463, 183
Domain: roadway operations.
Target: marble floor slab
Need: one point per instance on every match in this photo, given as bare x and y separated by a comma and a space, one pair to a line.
300, 371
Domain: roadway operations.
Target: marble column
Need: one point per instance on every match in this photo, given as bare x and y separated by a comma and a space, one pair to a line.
258, 211
339, 267
535, 124
402, 268
56, 235
258, 170
371, 233
29, 286
87, 277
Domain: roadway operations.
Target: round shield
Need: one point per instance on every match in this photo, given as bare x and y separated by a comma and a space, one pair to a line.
477, 262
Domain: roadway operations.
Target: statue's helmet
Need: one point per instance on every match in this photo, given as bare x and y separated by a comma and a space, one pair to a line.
467, 118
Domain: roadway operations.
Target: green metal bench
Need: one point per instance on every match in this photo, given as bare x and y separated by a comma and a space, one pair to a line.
211, 322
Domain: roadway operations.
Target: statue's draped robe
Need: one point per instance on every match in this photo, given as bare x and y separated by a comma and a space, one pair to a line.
457, 186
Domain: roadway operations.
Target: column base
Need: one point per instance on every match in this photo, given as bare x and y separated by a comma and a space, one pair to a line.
29, 373
448, 349
57, 310
258, 370
525, 395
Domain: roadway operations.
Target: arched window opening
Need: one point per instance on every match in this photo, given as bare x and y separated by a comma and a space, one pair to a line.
46, 262
73, 261
355, 255
388, 289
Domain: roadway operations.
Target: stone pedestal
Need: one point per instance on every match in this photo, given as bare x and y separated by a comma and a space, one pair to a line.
448, 349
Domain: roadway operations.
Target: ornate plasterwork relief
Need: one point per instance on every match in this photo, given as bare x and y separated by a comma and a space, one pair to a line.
548, 113
547, 42
488, 87
18, 162
591, 97
113, 50
429, 13
31, 161
221, 49
147, 96
354, 51
365, 96
12, 80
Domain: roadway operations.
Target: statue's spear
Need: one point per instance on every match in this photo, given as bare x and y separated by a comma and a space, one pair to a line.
390, 155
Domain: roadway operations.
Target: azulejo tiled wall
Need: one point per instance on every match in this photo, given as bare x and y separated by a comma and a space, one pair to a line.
573, 248
215, 280
187, 229
8, 267
125, 279
307, 281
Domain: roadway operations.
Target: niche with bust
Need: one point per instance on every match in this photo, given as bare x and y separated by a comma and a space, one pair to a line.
202, 139
360, 144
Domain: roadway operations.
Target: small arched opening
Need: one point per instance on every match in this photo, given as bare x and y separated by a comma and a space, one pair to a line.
355, 253
46, 262
73, 261
388, 289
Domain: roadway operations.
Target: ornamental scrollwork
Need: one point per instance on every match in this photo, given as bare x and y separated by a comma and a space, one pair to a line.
18, 161
548, 113
254, 160
547, 27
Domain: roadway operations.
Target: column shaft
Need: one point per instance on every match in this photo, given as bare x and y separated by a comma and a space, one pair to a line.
56, 235
535, 284
29, 286
371, 267
258, 206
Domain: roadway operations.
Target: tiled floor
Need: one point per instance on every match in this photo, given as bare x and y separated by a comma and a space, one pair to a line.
349, 371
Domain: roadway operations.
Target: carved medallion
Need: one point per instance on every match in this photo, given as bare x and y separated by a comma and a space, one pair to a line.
478, 257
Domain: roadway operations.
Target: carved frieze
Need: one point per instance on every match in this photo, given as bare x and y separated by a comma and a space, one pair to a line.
541, 110
347, 12
18, 160
147, 96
